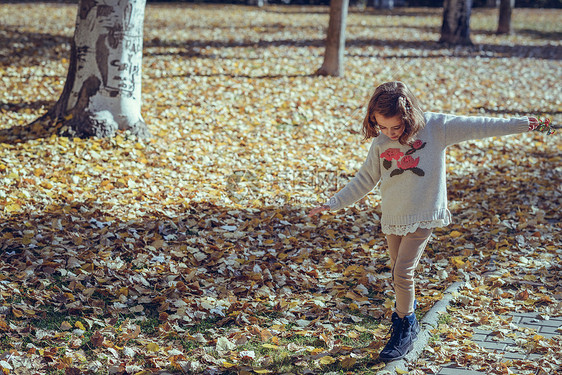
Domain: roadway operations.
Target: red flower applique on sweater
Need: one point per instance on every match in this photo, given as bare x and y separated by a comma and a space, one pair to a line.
405, 162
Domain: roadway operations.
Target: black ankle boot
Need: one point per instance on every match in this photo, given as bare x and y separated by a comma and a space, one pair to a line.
415, 324
403, 334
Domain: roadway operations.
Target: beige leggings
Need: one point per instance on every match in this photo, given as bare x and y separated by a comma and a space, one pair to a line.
405, 253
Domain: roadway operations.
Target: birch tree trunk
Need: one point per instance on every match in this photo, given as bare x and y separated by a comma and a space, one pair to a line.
504, 22
102, 92
335, 40
456, 22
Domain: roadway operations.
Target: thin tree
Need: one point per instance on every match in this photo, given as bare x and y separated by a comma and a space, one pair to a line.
335, 40
102, 92
504, 22
456, 22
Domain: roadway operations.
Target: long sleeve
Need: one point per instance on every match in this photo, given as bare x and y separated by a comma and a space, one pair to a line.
364, 181
464, 128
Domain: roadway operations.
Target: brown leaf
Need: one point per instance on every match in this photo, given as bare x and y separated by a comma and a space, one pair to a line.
96, 339
72, 371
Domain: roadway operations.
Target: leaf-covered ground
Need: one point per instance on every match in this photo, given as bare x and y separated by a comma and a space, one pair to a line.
192, 252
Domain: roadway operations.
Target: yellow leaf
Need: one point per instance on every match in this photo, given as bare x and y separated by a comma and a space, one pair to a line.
327, 360
457, 262
152, 347
400, 371
228, 365
17, 312
455, 234
79, 325
378, 366
262, 371
388, 304
538, 338
12, 208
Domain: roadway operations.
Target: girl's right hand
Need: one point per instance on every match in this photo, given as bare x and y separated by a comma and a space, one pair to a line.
318, 209
533, 123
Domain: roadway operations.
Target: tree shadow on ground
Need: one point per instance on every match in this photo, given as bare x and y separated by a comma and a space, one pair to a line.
397, 12
537, 34
43, 46
204, 251
242, 76
41, 128
16, 107
488, 50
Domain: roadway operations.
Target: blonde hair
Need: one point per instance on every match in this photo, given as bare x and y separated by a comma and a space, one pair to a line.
389, 100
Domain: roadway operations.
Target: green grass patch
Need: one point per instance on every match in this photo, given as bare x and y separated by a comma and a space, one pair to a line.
444, 319
149, 326
204, 325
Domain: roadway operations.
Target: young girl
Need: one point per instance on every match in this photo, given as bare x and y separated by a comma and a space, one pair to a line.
407, 156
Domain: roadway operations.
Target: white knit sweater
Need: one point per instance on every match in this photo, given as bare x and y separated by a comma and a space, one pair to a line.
413, 184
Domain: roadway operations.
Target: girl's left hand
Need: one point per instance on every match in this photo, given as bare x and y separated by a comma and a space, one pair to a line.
533, 123
317, 210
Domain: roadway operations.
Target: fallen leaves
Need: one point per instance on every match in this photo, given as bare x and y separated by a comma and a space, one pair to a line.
192, 251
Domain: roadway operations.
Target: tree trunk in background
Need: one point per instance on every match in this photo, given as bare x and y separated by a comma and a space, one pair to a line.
102, 92
504, 23
335, 41
492, 3
456, 22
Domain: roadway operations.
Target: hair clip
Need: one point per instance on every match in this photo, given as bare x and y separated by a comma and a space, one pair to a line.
404, 102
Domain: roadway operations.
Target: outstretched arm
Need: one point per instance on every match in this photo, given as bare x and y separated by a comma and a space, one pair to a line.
457, 129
